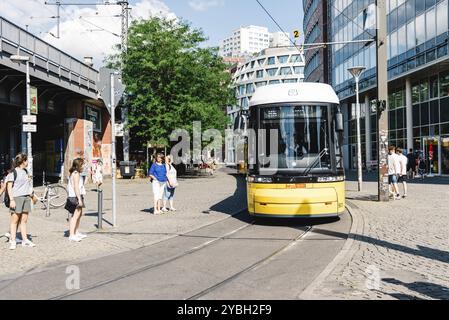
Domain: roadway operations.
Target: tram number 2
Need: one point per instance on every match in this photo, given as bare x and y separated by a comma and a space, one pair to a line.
246, 310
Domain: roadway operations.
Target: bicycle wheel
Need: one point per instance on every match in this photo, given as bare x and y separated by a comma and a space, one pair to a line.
58, 195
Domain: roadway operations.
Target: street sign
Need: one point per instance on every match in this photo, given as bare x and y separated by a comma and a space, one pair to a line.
33, 100
119, 130
29, 128
29, 119
105, 87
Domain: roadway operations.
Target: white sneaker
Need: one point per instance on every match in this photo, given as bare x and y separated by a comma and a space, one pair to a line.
164, 210
28, 243
173, 209
74, 239
12, 245
81, 235
7, 235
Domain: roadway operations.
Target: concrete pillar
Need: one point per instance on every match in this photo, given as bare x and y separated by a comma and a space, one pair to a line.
368, 130
409, 113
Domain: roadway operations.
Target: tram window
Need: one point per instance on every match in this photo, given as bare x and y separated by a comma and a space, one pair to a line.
302, 137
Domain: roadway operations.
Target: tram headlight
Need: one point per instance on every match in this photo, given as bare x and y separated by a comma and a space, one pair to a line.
331, 179
252, 179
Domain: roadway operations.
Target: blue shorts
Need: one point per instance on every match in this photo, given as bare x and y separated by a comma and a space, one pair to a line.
393, 179
169, 193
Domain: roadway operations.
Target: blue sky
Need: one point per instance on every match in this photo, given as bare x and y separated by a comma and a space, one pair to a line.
88, 30
221, 17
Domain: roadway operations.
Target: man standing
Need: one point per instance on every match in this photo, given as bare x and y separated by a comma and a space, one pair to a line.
394, 168
403, 160
411, 166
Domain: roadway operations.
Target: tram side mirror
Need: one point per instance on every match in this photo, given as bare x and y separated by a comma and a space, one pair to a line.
339, 123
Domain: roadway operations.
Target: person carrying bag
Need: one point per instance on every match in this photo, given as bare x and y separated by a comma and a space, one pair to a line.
172, 184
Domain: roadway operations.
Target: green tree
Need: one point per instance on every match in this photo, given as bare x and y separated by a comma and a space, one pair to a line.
172, 81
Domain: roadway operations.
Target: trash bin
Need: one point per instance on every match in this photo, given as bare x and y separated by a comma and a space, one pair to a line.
128, 169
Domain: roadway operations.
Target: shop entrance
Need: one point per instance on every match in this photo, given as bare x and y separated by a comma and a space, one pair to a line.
431, 152
445, 155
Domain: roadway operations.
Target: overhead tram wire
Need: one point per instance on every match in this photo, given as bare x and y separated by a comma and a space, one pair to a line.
278, 25
313, 46
97, 26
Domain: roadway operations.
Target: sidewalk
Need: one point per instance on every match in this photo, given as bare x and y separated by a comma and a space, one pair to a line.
400, 250
200, 201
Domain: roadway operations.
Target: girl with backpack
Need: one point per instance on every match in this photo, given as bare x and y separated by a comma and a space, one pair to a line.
19, 188
75, 201
172, 184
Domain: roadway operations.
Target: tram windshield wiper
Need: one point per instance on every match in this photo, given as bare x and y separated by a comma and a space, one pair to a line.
316, 162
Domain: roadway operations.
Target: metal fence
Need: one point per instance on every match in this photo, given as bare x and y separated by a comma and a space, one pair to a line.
37, 49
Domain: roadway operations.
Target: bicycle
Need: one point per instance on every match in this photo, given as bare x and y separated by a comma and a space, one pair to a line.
54, 196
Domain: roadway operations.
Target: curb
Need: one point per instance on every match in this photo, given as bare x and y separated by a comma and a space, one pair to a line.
346, 253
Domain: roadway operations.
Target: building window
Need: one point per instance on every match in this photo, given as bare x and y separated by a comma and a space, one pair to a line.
298, 70
283, 59
261, 84
259, 74
296, 58
444, 84
271, 61
290, 81
286, 71
275, 81
272, 72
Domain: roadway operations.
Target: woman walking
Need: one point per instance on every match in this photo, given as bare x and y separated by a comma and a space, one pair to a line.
158, 175
19, 187
172, 184
75, 201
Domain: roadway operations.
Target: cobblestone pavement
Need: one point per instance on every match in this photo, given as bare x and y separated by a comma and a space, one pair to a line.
400, 250
200, 201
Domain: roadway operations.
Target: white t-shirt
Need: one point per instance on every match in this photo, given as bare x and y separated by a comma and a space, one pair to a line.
394, 164
404, 162
172, 174
23, 185
71, 189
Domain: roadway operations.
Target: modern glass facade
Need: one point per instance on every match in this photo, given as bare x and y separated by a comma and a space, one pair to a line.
418, 71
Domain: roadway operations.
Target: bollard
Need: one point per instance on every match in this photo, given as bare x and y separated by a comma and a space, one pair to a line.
47, 213
100, 209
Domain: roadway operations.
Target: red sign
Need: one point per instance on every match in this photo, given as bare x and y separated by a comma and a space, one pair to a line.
431, 152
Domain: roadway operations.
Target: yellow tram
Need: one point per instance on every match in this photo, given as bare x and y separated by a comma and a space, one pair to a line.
295, 162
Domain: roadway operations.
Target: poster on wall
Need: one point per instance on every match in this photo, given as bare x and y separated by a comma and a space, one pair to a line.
33, 100
93, 114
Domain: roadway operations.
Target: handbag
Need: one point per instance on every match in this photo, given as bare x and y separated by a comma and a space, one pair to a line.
71, 204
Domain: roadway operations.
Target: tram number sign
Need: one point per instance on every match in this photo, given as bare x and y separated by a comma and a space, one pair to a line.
296, 33
29, 119
29, 128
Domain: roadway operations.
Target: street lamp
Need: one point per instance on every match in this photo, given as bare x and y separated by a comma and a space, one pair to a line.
26, 59
356, 73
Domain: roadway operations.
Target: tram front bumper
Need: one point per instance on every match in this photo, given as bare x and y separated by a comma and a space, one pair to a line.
306, 202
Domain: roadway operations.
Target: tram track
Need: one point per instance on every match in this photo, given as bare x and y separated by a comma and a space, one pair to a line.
160, 263
227, 236
251, 267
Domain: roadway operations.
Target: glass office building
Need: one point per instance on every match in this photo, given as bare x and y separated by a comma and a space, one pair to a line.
418, 70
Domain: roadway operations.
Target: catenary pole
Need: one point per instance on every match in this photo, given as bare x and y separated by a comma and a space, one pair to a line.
113, 155
382, 100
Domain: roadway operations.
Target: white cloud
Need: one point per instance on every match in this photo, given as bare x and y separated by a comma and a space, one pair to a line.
203, 5
80, 37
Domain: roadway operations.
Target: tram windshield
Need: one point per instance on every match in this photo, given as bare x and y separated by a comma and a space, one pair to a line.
303, 142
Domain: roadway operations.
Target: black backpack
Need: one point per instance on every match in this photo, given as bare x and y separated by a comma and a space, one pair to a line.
7, 200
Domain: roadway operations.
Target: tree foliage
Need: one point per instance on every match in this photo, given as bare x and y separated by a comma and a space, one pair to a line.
171, 81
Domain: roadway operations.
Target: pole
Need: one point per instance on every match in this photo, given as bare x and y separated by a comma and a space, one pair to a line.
100, 208
114, 158
382, 88
359, 138
29, 142
124, 47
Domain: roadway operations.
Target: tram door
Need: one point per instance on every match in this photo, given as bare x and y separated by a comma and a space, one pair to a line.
431, 153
